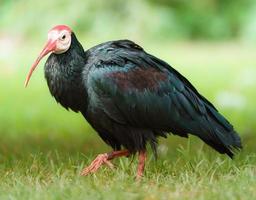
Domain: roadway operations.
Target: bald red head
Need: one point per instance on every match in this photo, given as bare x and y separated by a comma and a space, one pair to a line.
61, 28
59, 41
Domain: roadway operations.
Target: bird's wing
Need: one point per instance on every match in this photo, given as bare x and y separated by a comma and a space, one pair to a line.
137, 89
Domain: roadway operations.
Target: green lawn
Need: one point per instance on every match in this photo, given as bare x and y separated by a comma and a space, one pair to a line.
43, 147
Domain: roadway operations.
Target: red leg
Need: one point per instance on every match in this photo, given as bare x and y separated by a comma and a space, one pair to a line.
103, 159
141, 166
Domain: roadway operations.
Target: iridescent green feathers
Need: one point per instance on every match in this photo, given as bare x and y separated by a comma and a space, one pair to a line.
139, 90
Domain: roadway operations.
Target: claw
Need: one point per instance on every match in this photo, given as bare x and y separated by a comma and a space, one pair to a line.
95, 165
103, 159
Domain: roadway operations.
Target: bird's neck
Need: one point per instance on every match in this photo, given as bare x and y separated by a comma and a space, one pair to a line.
63, 73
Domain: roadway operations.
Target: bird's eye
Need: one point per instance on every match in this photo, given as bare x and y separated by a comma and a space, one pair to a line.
63, 37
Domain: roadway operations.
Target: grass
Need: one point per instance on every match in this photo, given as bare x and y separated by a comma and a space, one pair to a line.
38, 168
43, 147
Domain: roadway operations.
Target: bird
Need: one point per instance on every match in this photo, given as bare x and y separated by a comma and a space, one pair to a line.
130, 97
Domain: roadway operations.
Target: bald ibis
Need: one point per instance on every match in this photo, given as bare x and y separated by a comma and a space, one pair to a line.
129, 97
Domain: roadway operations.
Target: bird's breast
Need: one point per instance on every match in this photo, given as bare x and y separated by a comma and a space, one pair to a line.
67, 88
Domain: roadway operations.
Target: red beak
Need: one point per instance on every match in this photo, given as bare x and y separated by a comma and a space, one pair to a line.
49, 47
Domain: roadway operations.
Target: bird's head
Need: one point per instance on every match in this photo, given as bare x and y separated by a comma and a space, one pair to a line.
58, 42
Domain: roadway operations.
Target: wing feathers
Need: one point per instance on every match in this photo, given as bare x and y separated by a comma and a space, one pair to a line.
149, 94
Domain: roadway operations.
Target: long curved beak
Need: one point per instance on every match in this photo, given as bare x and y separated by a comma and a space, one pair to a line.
49, 47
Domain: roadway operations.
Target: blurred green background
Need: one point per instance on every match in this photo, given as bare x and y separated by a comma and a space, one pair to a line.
43, 147
211, 42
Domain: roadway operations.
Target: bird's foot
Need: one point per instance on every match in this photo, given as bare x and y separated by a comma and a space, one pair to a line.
103, 159
95, 165
141, 165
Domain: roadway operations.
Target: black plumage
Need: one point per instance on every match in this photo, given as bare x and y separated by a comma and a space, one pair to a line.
131, 97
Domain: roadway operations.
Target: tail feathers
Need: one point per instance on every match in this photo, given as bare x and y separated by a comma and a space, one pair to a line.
219, 133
